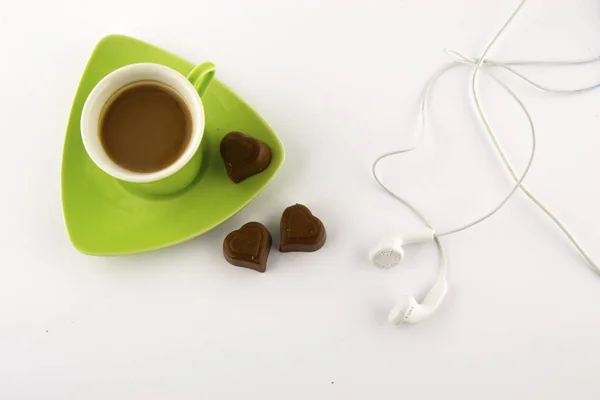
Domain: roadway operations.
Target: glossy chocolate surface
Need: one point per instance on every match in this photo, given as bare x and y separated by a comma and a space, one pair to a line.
248, 247
244, 156
301, 230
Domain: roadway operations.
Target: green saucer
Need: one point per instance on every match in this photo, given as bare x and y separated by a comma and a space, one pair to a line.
103, 218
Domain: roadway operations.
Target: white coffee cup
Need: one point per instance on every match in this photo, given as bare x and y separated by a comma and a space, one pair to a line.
184, 170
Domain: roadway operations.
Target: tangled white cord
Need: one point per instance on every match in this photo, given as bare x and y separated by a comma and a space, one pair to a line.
484, 65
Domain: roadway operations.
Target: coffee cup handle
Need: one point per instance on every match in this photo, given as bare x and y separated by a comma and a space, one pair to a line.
201, 76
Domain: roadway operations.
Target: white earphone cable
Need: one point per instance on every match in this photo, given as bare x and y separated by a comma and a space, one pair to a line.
506, 66
480, 65
489, 128
546, 63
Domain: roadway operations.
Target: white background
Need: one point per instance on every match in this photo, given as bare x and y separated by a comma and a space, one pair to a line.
339, 82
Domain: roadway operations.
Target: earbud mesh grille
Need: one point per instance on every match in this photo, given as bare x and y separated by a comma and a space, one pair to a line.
387, 258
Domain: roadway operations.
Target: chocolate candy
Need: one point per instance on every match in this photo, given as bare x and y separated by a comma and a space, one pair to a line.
244, 156
248, 247
300, 230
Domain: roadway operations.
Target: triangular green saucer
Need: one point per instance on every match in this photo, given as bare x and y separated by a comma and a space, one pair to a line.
103, 218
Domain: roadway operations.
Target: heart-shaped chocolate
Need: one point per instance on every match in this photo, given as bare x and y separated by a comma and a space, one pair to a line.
248, 247
244, 156
300, 230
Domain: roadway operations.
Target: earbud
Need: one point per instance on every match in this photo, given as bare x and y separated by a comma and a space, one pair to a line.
390, 252
404, 310
407, 310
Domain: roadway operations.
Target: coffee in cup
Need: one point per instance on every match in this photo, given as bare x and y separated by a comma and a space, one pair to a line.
145, 126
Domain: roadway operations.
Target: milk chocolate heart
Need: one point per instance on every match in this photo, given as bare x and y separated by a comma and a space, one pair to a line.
248, 247
244, 156
300, 230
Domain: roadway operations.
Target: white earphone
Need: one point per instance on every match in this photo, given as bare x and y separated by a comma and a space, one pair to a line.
409, 311
390, 252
